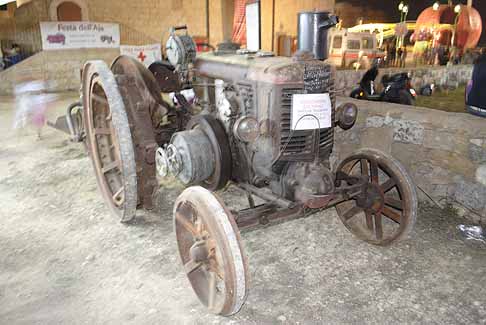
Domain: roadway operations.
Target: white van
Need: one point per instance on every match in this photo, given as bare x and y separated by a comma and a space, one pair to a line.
353, 50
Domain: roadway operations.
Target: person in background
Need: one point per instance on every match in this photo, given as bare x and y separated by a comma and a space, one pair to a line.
467, 58
2, 63
388, 60
13, 55
443, 55
367, 82
399, 56
476, 97
455, 55
404, 57
393, 55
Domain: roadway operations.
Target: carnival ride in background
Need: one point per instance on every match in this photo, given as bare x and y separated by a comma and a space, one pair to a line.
444, 25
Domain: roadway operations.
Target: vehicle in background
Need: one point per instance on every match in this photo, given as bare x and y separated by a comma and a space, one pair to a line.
397, 88
107, 39
353, 50
57, 38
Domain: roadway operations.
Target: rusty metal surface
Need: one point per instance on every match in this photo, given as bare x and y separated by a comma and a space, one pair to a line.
267, 216
143, 101
109, 141
288, 169
384, 211
71, 123
221, 149
211, 252
167, 78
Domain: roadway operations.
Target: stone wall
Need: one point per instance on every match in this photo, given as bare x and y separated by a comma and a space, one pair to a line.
61, 70
7, 21
148, 21
450, 76
141, 22
444, 152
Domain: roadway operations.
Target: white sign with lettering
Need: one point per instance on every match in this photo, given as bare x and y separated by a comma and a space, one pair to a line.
311, 111
77, 35
146, 54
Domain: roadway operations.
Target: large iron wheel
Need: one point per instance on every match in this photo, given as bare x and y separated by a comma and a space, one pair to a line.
109, 140
145, 108
387, 208
210, 249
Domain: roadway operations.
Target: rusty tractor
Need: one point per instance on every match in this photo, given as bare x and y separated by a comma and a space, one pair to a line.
262, 124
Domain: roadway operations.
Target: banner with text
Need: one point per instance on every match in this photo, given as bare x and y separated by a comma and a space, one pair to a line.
77, 35
147, 54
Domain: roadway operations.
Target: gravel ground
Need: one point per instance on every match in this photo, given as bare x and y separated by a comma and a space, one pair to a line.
64, 259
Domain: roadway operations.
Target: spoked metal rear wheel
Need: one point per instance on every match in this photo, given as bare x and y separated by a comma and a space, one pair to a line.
210, 249
109, 140
386, 211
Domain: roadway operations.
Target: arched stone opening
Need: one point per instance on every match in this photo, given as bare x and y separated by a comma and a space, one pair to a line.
68, 10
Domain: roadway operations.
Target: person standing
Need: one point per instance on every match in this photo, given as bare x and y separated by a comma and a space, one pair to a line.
476, 98
399, 57
404, 57
2, 64
393, 55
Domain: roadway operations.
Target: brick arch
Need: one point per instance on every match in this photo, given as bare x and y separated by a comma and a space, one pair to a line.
81, 3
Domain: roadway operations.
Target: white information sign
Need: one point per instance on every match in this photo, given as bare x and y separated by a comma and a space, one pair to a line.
147, 54
76, 35
311, 111
253, 26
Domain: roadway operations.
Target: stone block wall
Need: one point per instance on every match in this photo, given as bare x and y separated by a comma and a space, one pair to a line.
141, 22
59, 69
447, 76
23, 28
445, 153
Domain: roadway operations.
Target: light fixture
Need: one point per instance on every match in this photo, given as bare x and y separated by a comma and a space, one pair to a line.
457, 9
405, 9
246, 129
346, 115
436, 6
400, 6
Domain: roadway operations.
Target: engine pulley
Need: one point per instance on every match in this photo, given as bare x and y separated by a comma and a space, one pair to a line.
190, 156
199, 155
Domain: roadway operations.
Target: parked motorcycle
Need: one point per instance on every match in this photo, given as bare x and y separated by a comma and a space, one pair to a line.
397, 88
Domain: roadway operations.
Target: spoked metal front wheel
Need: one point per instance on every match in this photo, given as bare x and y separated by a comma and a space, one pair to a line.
386, 209
211, 251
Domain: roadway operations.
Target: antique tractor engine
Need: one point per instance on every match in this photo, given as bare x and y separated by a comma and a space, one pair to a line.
248, 133
260, 123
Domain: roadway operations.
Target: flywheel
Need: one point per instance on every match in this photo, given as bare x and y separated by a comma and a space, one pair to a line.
221, 148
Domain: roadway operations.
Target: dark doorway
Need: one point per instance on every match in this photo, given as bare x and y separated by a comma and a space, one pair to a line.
69, 11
